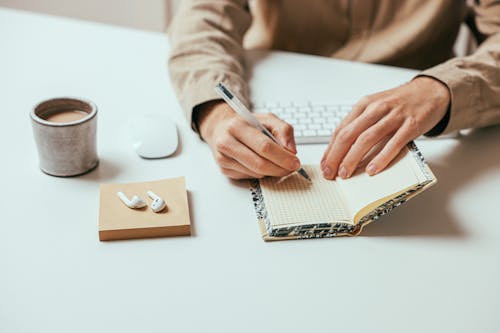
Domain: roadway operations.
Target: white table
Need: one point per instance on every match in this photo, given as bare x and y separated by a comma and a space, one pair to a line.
432, 266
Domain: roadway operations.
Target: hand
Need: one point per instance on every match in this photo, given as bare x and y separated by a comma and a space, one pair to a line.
242, 151
391, 118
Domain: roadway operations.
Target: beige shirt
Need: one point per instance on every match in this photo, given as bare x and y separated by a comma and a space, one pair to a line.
208, 39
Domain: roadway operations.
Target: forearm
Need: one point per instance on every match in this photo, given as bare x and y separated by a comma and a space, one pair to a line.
474, 81
206, 48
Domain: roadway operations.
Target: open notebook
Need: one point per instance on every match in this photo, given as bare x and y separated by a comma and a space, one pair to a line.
295, 208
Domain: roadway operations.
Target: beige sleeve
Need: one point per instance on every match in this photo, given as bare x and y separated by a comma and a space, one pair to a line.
206, 48
474, 81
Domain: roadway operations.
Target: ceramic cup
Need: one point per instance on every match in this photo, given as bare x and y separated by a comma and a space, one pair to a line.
65, 135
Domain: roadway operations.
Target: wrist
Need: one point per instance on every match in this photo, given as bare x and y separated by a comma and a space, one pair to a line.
440, 93
208, 115
440, 96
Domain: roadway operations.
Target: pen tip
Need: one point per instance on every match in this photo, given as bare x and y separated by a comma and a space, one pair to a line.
304, 174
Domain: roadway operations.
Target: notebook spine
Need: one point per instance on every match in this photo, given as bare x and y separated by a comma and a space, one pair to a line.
258, 201
417, 154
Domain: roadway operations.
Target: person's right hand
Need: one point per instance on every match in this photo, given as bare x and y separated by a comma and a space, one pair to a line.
241, 150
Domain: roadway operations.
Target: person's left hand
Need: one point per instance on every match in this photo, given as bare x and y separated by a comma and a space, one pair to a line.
394, 116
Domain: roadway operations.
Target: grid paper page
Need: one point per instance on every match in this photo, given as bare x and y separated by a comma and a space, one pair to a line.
295, 200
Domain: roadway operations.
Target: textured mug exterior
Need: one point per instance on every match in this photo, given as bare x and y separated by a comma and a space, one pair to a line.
65, 149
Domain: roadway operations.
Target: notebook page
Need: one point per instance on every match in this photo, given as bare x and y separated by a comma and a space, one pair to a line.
295, 200
362, 189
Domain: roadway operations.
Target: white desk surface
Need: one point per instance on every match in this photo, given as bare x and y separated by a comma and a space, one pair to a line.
431, 266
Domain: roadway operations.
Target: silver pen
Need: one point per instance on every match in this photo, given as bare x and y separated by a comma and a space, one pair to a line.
242, 110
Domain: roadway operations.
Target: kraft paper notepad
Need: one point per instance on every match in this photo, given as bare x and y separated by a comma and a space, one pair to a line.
117, 221
295, 208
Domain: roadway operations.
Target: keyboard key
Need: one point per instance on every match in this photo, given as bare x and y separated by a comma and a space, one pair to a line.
314, 126
305, 120
319, 120
324, 132
300, 104
329, 127
309, 133
300, 127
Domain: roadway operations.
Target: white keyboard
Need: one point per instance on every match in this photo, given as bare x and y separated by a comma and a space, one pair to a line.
312, 123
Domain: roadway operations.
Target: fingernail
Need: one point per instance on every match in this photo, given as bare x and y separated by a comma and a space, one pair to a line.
343, 172
371, 169
295, 164
327, 173
290, 146
323, 164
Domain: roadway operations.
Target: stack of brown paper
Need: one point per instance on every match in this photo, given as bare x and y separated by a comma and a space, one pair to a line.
117, 221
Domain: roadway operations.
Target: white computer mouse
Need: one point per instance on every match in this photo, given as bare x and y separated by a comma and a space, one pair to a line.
154, 135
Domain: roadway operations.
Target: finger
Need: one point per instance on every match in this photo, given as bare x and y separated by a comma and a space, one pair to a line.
231, 147
404, 135
365, 142
265, 147
357, 109
226, 162
281, 130
233, 174
348, 135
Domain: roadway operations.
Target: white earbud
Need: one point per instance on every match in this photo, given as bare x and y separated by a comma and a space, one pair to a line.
135, 202
158, 203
